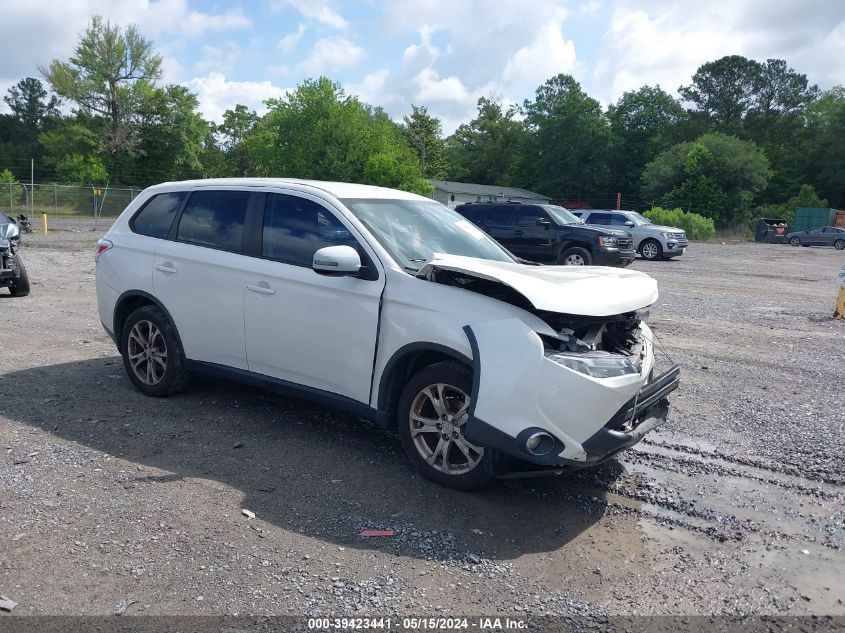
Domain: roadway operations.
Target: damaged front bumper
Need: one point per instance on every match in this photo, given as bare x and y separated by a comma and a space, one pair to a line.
519, 394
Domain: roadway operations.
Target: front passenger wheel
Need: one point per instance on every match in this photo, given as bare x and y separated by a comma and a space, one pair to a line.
152, 353
651, 249
839, 245
433, 412
576, 256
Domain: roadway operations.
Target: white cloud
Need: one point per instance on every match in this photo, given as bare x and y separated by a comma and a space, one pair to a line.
216, 94
221, 59
290, 41
659, 41
423, 53
373, 89
429, 86
548, 55
34, 33
331, 54
317, 11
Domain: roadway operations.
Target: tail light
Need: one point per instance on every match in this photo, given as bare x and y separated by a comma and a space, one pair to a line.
102, 247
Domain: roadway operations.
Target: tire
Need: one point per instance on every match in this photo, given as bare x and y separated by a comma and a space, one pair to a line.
575, 256
651, 250
20, 286
839, 245
795, 241
442, 389
161, 370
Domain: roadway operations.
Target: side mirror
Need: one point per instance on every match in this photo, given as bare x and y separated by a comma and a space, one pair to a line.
337, 260
544, 222
629, 223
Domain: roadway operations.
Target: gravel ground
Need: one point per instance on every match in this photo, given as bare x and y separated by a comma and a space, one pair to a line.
112, 500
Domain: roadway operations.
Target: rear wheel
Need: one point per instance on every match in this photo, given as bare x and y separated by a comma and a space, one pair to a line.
433, 412
839, 245
651, 249
152, 353
576, 256
20, 286
795, 241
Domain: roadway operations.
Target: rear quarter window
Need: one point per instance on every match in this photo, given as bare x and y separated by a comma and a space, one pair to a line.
156, 216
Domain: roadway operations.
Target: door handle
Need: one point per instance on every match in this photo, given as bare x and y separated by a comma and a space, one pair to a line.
166, 267
518, 232
262, 288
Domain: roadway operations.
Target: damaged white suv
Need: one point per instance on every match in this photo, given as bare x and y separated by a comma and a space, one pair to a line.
392, 307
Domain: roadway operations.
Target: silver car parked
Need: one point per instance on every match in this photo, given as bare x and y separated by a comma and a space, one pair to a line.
652, 241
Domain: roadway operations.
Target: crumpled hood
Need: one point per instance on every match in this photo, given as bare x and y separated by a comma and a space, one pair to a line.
582, 290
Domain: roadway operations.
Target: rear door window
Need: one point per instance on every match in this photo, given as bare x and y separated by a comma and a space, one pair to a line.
500, 216
295, 228
156, 216
214, 219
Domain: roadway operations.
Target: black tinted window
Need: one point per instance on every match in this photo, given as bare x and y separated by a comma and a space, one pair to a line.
599, 218
617, 219
472, 213
502, 216
528, 216
296, 228
157, 214
214, 218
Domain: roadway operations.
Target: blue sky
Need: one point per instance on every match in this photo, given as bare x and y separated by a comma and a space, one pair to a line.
443, 54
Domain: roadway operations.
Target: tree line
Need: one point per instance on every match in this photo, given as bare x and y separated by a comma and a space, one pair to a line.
743, 139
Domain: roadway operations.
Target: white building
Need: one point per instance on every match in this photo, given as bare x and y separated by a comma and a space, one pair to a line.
453, 193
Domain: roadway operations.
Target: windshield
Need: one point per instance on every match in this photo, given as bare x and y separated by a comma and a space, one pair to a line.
413, 230
561, 215
637, 219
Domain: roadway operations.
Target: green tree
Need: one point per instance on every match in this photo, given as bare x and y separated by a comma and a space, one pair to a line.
488, 149
639, 123
111, 74
232, 132
570, 140
29, 103
317, 131
425, 135
725, 90
824, 161
717, 176
780, 90
172, 135
11, 191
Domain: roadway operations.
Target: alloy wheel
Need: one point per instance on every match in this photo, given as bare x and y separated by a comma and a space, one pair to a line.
438, 417
574, 260
147, 352
649, 250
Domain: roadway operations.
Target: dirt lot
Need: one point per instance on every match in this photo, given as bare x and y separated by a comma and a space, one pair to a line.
737, 506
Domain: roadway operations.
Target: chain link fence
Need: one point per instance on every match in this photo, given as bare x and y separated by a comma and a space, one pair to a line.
65, 200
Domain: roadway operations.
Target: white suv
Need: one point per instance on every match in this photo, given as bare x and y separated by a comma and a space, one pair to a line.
388, 305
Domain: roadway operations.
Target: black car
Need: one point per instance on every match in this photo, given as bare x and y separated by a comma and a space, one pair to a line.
550, 234
12, 272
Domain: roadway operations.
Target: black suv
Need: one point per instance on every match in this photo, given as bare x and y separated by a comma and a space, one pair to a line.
550, 234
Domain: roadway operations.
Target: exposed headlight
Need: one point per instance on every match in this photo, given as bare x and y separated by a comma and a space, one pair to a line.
9, 231
666, 235
595, 364
608, 241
